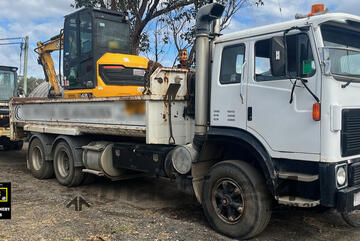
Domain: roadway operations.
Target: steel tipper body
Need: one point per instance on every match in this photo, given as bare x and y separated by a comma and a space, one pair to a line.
277, 116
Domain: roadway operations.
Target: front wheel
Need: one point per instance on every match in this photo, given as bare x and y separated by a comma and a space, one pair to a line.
235, 200
65, 171
352, 218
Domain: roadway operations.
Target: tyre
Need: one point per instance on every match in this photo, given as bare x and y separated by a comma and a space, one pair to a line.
18, 145
352, 218
39, 167
7, 146
65, 171
12, 145
235, 200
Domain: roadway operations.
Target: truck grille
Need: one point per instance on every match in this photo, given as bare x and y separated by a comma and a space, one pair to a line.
350, 134
354, 174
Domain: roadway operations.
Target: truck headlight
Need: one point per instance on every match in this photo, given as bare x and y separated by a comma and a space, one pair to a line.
341, 176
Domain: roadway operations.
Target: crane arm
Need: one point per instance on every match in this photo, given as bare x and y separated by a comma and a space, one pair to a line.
44, 50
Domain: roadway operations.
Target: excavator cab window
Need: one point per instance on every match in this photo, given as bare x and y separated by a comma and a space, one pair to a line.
71, 52
88, 35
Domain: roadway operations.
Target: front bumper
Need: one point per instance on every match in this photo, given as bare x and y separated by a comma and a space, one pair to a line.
340, 198
345, 199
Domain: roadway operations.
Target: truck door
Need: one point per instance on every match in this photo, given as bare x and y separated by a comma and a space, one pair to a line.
285, 127
228, 92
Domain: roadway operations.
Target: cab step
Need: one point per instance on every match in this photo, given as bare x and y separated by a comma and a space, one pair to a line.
298, 201
301, 177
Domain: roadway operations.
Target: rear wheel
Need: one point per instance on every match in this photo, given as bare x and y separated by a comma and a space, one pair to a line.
235, 200
39, 167
65, 171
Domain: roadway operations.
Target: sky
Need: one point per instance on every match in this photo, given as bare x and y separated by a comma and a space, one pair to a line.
42, 19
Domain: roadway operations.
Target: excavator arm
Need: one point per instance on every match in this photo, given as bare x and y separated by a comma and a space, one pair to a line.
44, 50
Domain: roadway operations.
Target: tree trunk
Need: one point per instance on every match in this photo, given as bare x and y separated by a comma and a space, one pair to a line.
135, 42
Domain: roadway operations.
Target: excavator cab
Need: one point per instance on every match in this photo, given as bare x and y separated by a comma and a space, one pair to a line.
96, 56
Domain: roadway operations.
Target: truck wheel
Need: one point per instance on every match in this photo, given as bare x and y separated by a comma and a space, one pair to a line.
352, 218
7, 146
39, 167
18, 145
235, 200
65, 171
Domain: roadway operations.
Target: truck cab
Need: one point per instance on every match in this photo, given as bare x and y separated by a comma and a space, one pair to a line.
284, 97
8, 89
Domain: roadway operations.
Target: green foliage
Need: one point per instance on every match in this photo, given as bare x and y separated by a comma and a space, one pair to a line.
177, 15
32, 83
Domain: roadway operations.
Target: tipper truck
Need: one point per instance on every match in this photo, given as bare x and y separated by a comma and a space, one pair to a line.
273, 113
8, 89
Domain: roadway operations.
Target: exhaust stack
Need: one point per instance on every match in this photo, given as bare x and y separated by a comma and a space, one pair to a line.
204, 22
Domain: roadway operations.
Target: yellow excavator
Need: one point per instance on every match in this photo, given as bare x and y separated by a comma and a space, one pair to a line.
96, 59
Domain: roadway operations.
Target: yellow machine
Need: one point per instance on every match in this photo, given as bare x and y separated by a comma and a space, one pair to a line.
96, 57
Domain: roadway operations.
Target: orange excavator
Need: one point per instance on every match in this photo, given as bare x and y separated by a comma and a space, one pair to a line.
95, 45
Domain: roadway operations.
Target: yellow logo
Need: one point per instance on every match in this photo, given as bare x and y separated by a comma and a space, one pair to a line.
3, 194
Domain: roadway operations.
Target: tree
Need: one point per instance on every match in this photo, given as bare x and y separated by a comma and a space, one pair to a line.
181, 25
178, 14
141, 14
32, 83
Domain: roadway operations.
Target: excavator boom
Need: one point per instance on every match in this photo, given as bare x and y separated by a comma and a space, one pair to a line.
44, 50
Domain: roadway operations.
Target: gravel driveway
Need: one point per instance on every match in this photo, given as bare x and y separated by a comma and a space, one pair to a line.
142, 209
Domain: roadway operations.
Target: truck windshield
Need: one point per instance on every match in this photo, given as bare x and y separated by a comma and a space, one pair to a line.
342, 42
113, 36
7, 84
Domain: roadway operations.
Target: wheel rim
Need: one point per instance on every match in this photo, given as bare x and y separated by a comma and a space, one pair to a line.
63, 163
228, 201
37, 158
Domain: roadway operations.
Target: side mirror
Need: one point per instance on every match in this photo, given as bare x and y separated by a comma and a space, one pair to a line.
278, 57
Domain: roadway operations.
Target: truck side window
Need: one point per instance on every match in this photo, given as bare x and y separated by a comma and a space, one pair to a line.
231, 64
300, 58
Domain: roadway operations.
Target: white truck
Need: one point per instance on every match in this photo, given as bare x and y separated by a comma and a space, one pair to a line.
277, 117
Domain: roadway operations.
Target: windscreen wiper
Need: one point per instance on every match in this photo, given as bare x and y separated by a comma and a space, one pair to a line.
348, 82
303, 81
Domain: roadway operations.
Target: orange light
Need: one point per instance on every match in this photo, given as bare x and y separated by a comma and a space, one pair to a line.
317, 8
114, 67
316, 111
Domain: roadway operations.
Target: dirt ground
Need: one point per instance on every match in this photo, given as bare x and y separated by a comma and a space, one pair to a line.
142, 209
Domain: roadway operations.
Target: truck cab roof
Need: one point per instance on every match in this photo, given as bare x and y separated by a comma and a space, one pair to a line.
279, 27
8, 68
